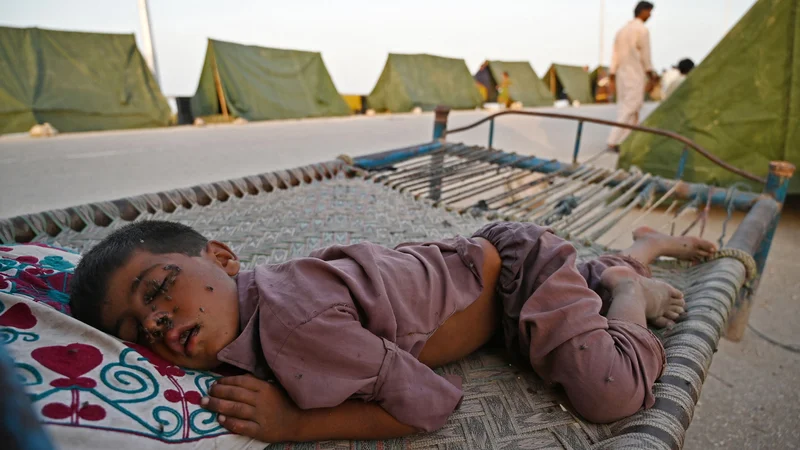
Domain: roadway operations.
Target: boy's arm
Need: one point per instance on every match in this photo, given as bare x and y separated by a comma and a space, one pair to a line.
255, 408
353, 419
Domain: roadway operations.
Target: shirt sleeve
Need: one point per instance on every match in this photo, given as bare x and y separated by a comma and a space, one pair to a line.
614, 59
644, 49
332, 357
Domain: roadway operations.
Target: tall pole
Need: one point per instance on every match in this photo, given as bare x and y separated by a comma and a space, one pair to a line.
602, 29
147, 39
727, 16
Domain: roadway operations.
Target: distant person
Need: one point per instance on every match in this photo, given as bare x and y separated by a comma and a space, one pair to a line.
602, 86
631, 70
675, 76
503, 94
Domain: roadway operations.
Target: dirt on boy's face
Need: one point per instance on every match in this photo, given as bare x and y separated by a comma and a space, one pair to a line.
184, 308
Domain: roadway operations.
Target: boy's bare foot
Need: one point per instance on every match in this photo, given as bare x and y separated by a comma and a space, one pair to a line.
662, 303
680, 247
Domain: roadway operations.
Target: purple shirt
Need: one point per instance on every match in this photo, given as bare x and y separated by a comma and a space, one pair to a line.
350, 322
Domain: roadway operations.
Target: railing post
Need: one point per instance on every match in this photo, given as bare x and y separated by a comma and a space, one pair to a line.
682, 163
780, 173
491, 133
437, 160
577, 142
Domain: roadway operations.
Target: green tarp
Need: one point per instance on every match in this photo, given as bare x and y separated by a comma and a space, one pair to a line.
573, 81
742, 103
526, 87
76, 82
266, 83
425, 81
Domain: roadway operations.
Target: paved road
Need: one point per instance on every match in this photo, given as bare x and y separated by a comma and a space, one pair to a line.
72, 169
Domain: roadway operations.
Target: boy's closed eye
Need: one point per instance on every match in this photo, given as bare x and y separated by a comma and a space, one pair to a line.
131, 329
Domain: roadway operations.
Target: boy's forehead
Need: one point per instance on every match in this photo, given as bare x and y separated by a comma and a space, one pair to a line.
142, 262
138, 260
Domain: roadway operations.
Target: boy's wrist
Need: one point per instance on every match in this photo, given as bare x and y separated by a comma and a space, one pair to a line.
295, 427
295, 430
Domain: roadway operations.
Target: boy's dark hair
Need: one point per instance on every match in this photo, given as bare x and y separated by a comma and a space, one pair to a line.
642, 6
685, 66
90, 281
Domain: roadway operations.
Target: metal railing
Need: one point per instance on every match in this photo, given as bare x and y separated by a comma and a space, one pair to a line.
688, 143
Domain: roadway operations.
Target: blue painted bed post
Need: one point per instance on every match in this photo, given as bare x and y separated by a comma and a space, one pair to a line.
780, 173
440, 122
577, 142
491, 133
437, 160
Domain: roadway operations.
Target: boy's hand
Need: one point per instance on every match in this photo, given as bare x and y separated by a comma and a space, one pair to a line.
252, 407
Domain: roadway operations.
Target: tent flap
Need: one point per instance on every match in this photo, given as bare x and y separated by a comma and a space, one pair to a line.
76, 82
742, 103
262, 83
424, 81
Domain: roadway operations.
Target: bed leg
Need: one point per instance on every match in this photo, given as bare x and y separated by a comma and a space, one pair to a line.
780, 173
437, 160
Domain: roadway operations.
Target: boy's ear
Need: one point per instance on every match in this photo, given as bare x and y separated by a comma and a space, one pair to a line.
223, 256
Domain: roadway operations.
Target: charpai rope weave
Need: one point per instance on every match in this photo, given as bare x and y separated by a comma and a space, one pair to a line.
291, 213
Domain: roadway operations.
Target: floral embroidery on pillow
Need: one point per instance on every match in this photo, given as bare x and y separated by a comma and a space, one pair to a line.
38, 272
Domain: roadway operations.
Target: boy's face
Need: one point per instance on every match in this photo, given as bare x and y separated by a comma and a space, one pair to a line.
184, 308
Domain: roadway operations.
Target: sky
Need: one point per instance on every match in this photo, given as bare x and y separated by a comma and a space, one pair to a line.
355, 36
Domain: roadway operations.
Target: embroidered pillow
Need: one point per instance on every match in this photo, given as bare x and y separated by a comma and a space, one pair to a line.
89, 389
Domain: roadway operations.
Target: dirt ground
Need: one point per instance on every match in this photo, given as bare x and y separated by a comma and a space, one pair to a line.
751, 399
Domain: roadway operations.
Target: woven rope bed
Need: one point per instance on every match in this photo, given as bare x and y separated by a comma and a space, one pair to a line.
273, 217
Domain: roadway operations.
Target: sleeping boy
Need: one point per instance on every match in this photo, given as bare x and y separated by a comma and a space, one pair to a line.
342, 344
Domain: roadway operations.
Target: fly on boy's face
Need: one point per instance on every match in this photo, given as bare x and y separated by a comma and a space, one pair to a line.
184, 308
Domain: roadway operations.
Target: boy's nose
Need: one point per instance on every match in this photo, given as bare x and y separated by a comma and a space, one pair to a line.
157, 323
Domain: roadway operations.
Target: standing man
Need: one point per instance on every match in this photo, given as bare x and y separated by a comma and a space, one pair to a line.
630, 70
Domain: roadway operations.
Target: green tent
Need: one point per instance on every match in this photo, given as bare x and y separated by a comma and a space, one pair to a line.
425, 81
265, 83
742, 103
571, 81
76, 82
526, 87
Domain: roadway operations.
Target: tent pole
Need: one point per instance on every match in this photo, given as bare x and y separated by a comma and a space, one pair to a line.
602, 29
553, 81
220, 94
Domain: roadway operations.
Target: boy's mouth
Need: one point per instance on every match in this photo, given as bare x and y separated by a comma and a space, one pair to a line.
182, 340
187, 334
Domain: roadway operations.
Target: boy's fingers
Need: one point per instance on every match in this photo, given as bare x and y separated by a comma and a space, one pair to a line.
239, 426
228, 408
233, 393
246, 381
